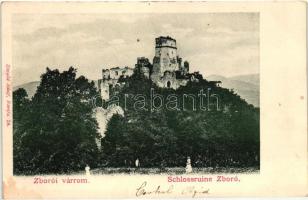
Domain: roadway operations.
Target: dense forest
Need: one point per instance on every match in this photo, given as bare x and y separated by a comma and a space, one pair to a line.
55, 131
221, 135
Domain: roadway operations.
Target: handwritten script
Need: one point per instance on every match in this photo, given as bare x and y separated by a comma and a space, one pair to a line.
192, 191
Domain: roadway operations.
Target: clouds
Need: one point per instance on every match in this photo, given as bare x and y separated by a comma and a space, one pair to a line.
220, 43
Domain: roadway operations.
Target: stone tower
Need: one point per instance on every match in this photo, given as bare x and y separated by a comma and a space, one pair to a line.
166, 62
166, 58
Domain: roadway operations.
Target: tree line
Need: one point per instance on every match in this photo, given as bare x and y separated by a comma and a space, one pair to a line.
55, 131
223, 137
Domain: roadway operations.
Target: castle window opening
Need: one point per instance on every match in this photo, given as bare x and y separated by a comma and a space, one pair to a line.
168, 84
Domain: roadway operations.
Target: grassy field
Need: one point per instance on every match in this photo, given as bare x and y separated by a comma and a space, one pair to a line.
171, 171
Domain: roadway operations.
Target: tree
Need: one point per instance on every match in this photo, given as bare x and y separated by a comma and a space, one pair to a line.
20, 113
59, 131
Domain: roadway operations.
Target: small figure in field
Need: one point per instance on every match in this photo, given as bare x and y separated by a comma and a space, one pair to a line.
188, 165
137, 164
87, 168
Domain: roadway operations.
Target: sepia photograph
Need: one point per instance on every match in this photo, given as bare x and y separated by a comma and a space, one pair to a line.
136, 93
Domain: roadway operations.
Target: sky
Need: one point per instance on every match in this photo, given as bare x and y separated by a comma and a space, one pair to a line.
224, 44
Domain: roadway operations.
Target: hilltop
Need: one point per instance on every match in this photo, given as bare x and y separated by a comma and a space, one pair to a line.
247, 86
211, 137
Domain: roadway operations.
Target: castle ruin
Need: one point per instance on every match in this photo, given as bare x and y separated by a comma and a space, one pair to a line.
166, 71
110, 78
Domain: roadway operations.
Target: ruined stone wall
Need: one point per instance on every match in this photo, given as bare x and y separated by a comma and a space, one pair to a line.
103, 86
145, 71
116, 73
110, 77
